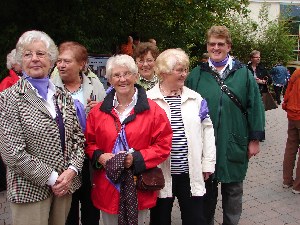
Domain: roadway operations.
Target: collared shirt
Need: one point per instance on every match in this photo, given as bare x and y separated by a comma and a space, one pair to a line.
129, 107
224, 72
147, 84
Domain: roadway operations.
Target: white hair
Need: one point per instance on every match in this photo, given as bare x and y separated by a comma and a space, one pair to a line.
11, 59
34, 35
120, 60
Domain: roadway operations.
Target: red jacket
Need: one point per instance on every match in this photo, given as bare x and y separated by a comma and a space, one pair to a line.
291, 102
148, 132
9, 81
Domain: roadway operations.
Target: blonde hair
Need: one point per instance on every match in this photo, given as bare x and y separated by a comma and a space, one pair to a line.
168, 59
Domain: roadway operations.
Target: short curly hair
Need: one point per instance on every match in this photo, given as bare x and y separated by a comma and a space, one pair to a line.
34, 35
143, 48
219, 32
11, 59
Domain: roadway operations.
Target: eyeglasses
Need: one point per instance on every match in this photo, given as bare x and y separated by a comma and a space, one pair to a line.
213, 44
39, 54
255, 57
125, 75
181, 71
148, 61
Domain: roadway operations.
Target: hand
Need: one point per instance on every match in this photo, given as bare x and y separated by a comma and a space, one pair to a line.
206, 175
253, 148
63, 182
91, 103
104, 158
128, 161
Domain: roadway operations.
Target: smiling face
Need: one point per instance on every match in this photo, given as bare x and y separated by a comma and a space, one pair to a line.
123, 81
145, 65
218, 48
67, 65
35, 60
175, 79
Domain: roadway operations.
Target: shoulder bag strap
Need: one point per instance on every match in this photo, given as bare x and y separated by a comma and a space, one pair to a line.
230, 94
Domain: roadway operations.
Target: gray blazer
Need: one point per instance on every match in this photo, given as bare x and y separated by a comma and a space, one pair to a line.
30, 142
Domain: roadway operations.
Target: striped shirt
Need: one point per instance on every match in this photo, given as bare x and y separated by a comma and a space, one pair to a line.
179, 152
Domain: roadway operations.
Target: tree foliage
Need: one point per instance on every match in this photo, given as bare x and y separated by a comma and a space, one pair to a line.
102, 25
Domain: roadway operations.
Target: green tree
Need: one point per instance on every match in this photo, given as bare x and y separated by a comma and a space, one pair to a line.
271, 38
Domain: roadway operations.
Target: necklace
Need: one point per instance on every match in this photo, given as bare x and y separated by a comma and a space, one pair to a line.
171, 93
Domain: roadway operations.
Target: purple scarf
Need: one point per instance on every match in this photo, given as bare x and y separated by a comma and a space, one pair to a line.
221, 63
41, 84
80, 111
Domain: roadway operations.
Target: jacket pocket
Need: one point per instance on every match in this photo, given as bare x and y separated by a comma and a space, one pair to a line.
237, 148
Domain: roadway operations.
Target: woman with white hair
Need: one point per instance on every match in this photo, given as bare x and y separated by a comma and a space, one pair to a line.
129, 133
193, 153
41, 141
15, 71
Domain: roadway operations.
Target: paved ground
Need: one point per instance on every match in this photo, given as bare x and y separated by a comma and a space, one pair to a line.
265, 202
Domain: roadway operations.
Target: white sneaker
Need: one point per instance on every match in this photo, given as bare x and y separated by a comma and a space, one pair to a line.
295, 192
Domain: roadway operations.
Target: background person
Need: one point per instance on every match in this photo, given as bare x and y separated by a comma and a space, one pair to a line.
86, 92
259, 72
291, 106
125, 114
193, 154
14, 73
238, 129
145, 54
40, 138
280, 76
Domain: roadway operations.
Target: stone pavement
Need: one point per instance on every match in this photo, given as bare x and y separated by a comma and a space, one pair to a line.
265, 202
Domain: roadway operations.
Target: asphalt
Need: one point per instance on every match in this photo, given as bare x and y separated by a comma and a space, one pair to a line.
265, 201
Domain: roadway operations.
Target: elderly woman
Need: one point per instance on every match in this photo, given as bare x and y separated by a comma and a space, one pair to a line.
126, 121
15, 71
145, 54
193, 152
40, 138
86, 92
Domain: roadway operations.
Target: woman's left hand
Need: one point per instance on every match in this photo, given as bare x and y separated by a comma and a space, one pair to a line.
91, 103
63, 182
128, 161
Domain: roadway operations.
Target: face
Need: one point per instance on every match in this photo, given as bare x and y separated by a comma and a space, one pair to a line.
35, 60
255, 59
176, 78
217, 48
145, 65
68, 66
123, 80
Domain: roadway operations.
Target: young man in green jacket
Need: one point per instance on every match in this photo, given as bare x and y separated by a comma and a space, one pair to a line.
238, 117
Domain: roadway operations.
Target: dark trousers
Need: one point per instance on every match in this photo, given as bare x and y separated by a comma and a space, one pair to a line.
89, 214
191, 207
232, 194
277, 90
2, 176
